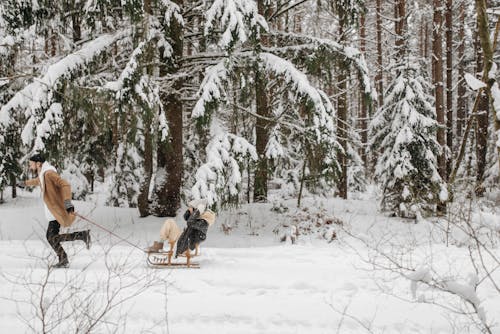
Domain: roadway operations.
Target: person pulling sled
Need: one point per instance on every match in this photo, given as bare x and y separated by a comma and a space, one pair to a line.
59, 211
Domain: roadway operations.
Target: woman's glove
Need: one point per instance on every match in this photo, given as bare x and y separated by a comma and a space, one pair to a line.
69, 206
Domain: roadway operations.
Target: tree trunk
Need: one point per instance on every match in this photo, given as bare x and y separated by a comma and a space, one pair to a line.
143, 198
462, 87
342, 111
379, 79
437, 70
422, 38
449, 82
426, 40
342, 128
168, 180
262, 137
482, 120
363, 124
13, 184
399, 26
262, 125
481, 132
483, 110
75, 21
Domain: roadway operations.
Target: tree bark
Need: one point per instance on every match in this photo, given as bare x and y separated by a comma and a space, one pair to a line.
449, 82
481, 125
363, 124
262, 124
342, 111
399, 26
437, 70
462, 88
426, 40
483, 110
13, 184
169, 158
143, 198
76, 21
379, 79
342, 128
262, 137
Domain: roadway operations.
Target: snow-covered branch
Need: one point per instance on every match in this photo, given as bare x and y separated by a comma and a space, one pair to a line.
39, 94
172, 10
238, 19
315, 44
220, 175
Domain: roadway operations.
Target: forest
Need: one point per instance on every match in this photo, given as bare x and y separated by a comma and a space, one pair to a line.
347, 151
169, 100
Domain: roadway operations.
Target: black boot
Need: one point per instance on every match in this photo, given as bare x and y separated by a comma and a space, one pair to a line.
84, 236
87, 239
63, 263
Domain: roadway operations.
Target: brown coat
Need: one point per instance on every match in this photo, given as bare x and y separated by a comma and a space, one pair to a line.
55, 192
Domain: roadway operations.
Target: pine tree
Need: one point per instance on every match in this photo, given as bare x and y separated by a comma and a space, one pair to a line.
404, 133
303, 114
122, 77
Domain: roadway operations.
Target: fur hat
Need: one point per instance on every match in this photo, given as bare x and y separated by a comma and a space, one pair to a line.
208, 216
38, 158
200, 204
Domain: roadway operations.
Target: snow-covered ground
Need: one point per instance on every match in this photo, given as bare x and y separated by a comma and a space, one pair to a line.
249, 282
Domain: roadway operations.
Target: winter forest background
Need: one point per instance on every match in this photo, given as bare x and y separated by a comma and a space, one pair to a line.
386, 112
223, 100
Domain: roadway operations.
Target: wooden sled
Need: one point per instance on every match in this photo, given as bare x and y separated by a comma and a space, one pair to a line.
163, 259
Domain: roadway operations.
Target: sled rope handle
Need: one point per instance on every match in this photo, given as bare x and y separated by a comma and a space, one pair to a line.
110, 232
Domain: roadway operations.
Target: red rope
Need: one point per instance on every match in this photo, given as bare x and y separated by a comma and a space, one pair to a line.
110, 232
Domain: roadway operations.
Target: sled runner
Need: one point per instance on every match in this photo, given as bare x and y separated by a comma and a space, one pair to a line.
162, 259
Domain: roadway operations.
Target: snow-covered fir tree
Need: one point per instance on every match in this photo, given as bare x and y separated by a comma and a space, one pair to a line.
403, 132
297, 115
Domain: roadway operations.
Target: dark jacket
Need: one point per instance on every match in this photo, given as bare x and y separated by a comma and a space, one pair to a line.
193, 234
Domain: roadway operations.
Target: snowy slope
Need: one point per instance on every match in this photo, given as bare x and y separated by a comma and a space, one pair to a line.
248, 281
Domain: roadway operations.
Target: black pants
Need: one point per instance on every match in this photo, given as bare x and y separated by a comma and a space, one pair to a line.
55, 239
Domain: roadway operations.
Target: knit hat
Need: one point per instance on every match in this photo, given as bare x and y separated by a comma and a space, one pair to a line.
200, 204
38, 158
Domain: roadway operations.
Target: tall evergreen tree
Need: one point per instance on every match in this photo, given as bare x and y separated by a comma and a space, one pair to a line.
403, 131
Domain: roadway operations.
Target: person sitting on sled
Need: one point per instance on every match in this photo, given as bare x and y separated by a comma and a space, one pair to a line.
198, 219
171, 233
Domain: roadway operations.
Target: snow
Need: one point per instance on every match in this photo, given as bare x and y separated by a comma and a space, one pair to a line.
38, 94
274, 148
407, 121
249, 282
294, 78
492, 74
495, 93
232, 16
443, 194
221, 173
419, 275
172, 10
50, 124
212, 87
474, 83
